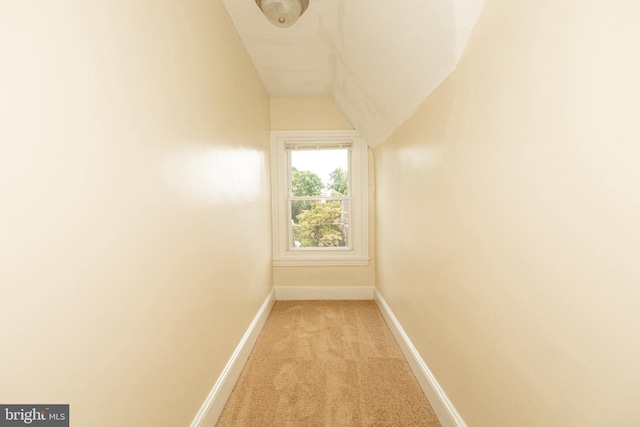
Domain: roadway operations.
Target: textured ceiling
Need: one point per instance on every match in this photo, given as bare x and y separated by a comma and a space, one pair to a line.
378, 60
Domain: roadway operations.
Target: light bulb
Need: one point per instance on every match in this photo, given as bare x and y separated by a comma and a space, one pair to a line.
282, 13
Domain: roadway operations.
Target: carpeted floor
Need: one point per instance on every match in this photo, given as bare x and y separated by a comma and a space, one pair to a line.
327, 363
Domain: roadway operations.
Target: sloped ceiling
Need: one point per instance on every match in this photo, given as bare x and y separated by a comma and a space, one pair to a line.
378, 60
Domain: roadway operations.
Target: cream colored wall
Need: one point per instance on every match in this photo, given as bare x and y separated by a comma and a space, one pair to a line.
509, 218
307, 114
321, 114
135, 220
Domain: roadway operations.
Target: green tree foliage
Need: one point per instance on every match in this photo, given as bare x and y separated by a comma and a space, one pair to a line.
320, 226
305, 183
338, 182
317, 223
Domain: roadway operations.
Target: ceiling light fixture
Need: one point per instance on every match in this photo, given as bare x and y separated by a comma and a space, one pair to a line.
283, 13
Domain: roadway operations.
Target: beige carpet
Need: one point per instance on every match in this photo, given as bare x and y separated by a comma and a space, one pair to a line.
327, 363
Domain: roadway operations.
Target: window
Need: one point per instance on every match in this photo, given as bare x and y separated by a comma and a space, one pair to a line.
319, 184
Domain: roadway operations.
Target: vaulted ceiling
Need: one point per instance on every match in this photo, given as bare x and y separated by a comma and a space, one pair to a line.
378, 60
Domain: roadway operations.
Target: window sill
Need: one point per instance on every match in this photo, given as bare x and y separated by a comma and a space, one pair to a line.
320, 262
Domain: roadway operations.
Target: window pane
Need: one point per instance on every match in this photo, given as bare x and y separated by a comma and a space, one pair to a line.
320, 224
319, 172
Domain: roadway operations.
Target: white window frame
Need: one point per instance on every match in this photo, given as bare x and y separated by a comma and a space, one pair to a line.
357, 254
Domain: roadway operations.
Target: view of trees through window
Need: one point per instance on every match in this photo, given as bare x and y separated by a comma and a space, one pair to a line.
319, 197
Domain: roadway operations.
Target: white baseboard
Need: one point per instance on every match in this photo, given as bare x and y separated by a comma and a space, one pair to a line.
284, 293
212, 407
441, 405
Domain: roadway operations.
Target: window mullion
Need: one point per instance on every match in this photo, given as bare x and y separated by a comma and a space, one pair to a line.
319, 198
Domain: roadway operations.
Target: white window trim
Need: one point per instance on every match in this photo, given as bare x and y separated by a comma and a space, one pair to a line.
358, 253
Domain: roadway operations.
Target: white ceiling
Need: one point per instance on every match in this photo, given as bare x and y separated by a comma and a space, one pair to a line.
378, 60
